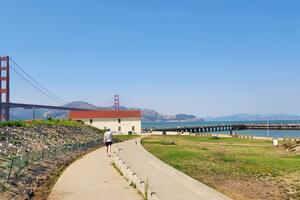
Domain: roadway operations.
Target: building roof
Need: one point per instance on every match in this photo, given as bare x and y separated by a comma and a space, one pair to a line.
104, 114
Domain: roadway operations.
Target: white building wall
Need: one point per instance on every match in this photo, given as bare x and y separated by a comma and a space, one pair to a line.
113, 124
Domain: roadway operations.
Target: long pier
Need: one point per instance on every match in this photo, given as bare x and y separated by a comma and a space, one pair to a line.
230, 127
272, 126
199, 129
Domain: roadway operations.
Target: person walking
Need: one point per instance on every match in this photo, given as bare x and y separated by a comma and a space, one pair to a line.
108, 139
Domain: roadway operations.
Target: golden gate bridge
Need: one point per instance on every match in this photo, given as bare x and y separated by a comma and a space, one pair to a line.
27, 92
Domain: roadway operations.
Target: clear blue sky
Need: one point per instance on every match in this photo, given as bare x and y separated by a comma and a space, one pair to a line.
206, 58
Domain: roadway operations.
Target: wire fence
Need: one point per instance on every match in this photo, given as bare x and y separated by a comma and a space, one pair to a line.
11, 168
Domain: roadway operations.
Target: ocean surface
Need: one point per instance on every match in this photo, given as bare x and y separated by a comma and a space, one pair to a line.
262, 133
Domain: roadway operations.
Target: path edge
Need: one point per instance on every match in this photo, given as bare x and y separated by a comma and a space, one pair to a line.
142, 186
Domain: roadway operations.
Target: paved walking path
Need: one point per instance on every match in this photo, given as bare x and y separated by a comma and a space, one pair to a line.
167, 182
93, 177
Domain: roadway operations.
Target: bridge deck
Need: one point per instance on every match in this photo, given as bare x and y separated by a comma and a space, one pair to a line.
33, 106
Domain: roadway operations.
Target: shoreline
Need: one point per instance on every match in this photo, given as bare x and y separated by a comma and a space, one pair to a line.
227, 135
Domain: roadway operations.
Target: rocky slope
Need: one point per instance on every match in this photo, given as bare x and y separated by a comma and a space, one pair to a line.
39, 150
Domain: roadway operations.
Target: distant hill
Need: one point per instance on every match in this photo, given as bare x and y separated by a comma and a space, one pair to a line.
181, 118
254, 117
80, 104
147, 115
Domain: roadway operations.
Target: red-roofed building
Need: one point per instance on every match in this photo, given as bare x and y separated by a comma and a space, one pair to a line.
120, 121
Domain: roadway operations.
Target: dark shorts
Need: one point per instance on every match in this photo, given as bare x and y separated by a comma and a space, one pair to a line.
108, 143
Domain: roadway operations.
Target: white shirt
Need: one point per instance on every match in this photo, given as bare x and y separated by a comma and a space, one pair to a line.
107, 136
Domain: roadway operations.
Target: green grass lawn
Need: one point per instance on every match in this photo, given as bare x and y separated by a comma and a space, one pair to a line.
240, 168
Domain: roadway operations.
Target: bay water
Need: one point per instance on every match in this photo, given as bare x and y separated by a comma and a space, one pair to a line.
261, 133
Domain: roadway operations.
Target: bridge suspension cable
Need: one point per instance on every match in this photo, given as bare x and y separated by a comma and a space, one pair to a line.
38, 93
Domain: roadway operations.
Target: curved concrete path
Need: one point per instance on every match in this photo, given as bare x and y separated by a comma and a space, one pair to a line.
93, 177
167, 182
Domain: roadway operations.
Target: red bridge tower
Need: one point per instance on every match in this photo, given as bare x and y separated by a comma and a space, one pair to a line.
4, 88
117, 102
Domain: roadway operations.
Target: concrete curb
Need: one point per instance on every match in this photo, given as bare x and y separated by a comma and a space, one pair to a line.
141, 185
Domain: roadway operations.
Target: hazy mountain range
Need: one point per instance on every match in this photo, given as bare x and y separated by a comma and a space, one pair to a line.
254, 117
147, 115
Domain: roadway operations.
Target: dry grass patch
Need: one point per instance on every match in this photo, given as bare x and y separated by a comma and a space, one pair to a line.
240, 168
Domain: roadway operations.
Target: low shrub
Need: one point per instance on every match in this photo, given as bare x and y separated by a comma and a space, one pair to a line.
168, 142
215, 137
13, 123
57, 122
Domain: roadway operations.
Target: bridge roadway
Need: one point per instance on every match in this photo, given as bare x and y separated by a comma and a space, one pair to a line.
6, 107
33, 106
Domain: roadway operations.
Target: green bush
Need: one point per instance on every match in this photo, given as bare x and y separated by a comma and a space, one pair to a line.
53, 122
168, 142
215, 138
13, 123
